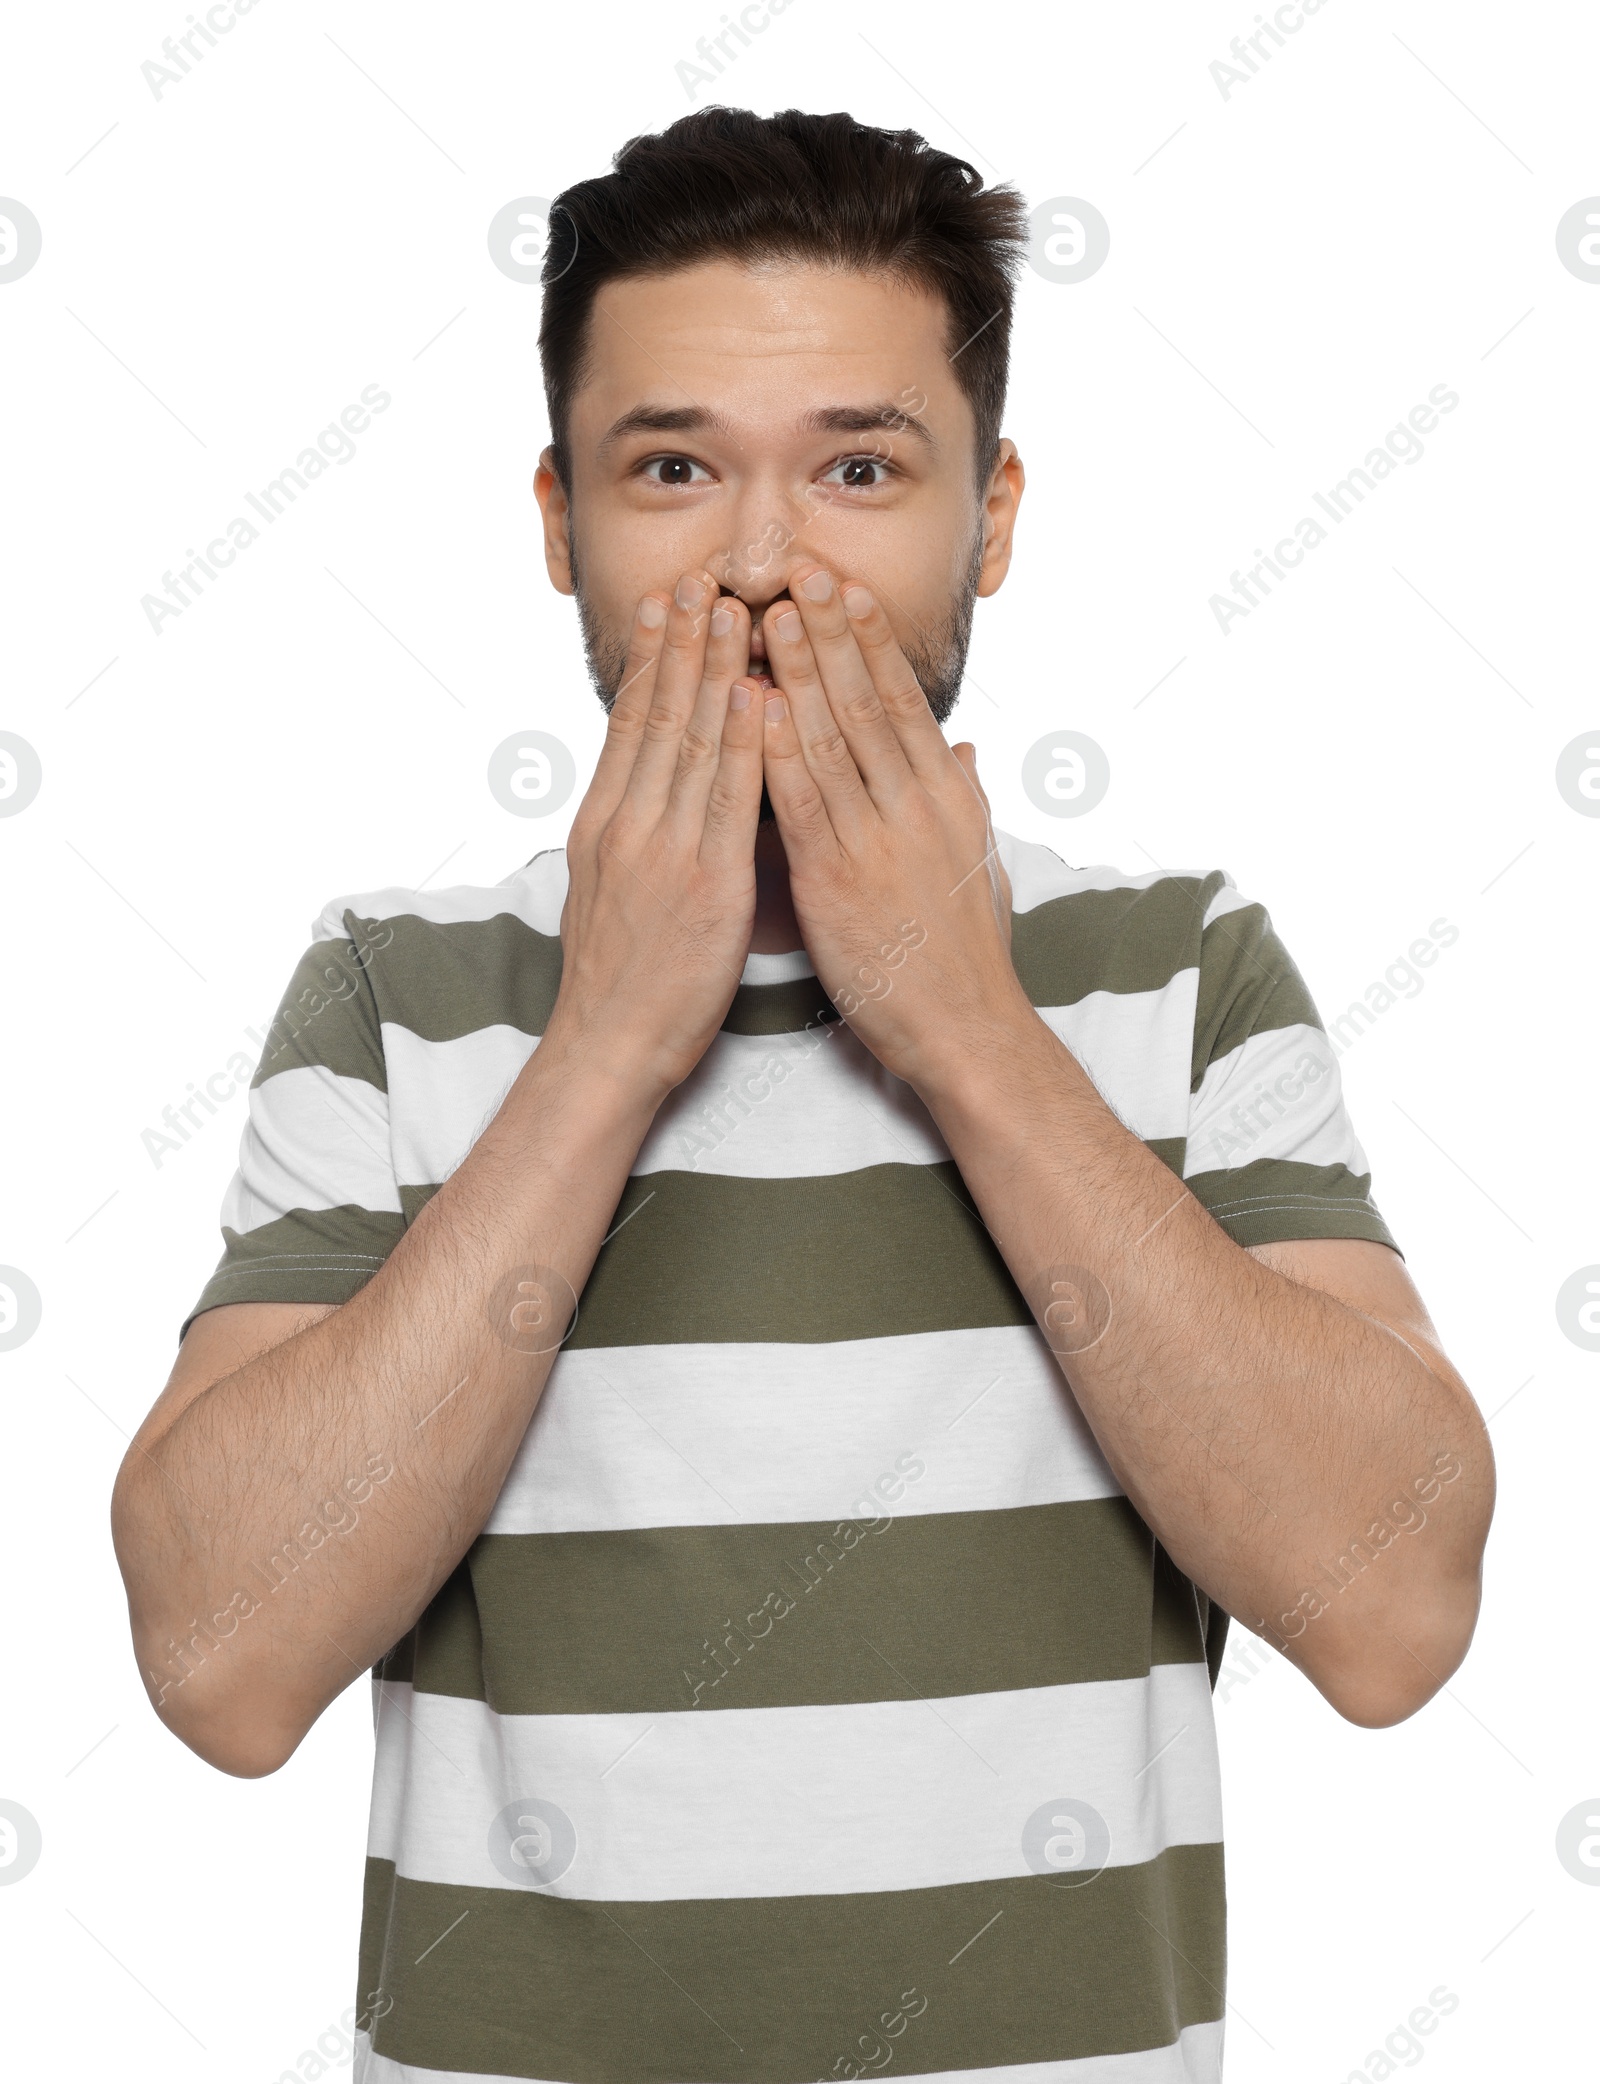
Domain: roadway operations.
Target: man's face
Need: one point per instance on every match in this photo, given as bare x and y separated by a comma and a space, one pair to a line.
747, 421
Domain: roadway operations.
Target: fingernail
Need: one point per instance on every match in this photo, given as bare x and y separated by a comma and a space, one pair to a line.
857, 602
787, 625
817, 587
721, 621
776, 709
651, 612
690, 593
740, 697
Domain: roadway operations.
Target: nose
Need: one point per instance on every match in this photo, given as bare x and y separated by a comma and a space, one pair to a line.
760, 586
770, 539
758, 590
759, 604
768, 536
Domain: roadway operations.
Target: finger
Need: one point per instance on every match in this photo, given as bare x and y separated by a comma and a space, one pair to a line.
733, 804
904, 703
727, 655
804, 824
677, 684
852, 696
809, 715
629, 708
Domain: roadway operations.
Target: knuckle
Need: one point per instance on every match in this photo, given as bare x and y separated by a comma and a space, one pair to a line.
863, 707
664, 721
809, 824
698, 747
725, 802
828, 748
625, 726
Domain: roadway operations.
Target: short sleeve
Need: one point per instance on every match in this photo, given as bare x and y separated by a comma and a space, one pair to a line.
314, 1208
1271, 1150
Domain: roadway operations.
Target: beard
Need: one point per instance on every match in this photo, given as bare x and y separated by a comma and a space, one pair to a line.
937, 656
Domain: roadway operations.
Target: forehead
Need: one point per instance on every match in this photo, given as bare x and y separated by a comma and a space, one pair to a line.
752, 342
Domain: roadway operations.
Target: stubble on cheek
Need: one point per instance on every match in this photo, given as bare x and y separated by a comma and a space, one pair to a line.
605, 650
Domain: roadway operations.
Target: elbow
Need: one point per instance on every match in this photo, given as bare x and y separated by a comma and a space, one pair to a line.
246, 1754
1393, 1666
1379, 1700
209, 1684
236, 1728
242, 1746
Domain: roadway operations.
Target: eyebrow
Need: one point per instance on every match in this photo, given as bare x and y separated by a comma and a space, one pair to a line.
664, 419
824, 419
863, 419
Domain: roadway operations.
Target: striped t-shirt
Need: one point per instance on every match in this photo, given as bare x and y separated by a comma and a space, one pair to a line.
813, 1703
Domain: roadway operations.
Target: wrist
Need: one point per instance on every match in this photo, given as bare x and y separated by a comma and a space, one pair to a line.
980, 1078
979, 1054
601, 1072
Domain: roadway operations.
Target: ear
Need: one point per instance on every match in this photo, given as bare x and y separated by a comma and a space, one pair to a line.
556, 509
1000, 502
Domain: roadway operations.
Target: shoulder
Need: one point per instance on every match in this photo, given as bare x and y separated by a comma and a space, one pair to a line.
1100, 928
532, 894
1173, 905
443, 964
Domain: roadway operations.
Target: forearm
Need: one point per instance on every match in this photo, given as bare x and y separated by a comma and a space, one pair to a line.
1259, 1426
411, 1399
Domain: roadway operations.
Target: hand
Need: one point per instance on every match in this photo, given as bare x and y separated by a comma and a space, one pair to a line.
900, 893
661, 858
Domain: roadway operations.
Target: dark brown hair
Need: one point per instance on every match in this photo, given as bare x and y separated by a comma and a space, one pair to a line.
724, 183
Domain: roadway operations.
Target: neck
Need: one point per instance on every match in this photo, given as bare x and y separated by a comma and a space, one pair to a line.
776, 929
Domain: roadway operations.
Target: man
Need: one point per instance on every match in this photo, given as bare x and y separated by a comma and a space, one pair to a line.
783, 1334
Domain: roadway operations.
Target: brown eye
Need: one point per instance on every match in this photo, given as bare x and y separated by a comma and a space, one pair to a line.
857, 473
674, 470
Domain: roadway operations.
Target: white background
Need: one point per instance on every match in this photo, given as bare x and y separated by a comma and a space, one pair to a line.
225, 267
